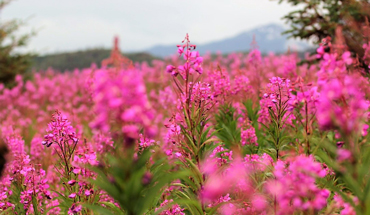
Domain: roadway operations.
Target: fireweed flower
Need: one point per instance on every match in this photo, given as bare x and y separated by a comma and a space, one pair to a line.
255, 162
72, 182
74, 209
249, 136
308, 96
88, 192
175, 209
59, 130
338, 107
259, 203
342, 105
172, 136
222, 155
193, 62
220, 82
201, 96
254, 57
52, 207
233, 179
344, 207
222, 199
82, 157
331, 66
276, 97
20, 171
121, 104
294, 185
343, 154
72, 196
241, 86
145, 142
37, 150
172, 70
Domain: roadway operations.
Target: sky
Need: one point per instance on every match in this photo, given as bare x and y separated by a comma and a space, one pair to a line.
71, 25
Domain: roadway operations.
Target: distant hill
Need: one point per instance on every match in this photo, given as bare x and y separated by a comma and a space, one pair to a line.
82, 59
268, 37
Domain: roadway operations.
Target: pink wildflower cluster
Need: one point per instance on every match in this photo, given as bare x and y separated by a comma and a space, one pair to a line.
294, 185
332, 65
173, 136
222, 155
201, 96
276, 98
145, 142
302, 108
249, 136
175, 209
122, 104
345, 208
220, 81
193, 62
233, 179
307, 94
257, 162
342, 105
74, 209
222, 199
24, 175
59, 131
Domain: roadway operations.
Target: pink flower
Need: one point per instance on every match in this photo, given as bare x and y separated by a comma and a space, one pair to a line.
249, 136
222, 155
259, 203
180, 50
131, 110
175, 209
59, 130
347, 58
320, 51
365, 129
344, 154
72, 182
74, 209
342, 105
171, 69
87, 192
234, 178
295, 182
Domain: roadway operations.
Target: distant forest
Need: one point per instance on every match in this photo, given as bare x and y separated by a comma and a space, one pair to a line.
69, 61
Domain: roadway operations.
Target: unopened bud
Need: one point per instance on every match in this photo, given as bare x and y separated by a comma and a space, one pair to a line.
147, 178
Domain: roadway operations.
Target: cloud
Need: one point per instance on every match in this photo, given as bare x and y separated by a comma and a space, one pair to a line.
77, 24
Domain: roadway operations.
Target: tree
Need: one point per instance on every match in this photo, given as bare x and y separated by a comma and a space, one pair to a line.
318, 19
12, 62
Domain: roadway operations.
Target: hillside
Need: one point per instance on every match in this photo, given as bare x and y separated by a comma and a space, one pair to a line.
269, 39
82, 59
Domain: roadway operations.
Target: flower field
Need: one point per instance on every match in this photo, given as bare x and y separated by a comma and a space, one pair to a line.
235, 134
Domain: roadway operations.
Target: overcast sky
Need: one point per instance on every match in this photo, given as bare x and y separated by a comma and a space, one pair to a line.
79, 24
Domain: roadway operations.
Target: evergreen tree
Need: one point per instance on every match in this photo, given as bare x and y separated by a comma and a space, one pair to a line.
12, 62
317, 19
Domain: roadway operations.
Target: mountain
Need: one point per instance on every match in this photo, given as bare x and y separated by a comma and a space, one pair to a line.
269, 38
